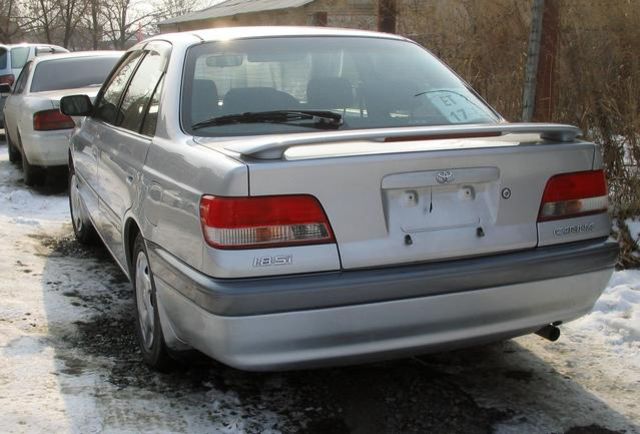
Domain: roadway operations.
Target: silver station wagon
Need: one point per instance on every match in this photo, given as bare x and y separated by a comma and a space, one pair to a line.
287, 197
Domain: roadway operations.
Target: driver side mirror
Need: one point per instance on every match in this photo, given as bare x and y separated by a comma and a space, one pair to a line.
76, 105
5, 89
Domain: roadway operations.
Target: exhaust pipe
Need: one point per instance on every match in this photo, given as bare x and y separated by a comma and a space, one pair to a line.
549, 332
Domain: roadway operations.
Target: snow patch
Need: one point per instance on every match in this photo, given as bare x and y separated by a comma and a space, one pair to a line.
616, 314
28, 207
634, 228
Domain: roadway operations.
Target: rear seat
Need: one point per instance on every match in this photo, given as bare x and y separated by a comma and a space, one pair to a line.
257, 99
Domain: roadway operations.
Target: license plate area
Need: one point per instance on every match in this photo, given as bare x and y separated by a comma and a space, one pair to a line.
466, 199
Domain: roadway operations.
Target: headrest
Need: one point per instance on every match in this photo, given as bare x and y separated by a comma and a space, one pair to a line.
204, 100
329, 93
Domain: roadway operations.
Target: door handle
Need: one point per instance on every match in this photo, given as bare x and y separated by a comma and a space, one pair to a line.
155, 192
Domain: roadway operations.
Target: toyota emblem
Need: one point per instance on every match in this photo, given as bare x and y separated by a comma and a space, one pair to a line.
444, 177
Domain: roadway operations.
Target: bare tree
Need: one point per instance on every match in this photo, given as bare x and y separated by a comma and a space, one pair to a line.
174, 8
9, 15
94, 23
123, 19
43, 18
70, 13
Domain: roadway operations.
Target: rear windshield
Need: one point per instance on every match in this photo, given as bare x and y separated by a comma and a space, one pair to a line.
370, 82
19, 56
71, 73
3, 58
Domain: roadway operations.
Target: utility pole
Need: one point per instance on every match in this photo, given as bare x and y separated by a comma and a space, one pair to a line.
387, 16
533, 54
539, 89
546, 94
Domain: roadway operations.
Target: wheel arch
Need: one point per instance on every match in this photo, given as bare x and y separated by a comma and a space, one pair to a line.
131, 231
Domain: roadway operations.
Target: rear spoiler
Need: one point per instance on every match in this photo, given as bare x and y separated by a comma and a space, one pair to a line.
274, 149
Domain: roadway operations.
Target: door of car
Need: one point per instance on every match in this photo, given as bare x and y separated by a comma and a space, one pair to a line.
85, 142
12, 104
124, 142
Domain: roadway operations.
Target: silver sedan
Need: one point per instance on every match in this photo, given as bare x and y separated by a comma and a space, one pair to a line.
284, 197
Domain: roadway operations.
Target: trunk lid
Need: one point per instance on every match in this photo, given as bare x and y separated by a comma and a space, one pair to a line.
423, 200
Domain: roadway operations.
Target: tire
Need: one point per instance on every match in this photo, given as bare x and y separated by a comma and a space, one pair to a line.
14, 154
33, 175
147, 320
82, 227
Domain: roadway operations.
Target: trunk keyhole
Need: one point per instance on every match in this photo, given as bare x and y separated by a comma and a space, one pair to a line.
480, 232
408, 240
431, 201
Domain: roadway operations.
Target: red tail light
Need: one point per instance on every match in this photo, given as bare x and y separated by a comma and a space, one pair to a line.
51, 120
264, 221
7, 79
573, 195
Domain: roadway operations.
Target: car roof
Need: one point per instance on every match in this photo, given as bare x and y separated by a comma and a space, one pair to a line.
77, 54
32, 44
226, 33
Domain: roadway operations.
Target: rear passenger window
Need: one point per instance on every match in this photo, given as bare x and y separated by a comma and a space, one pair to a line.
151, 118
21, 83
107, 106
140, 90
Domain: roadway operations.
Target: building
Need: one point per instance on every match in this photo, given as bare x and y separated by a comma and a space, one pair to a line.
357, 14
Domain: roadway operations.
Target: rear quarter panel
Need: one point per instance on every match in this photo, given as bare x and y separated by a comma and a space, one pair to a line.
176, 175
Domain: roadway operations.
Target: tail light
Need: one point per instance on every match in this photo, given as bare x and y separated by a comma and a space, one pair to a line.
264, 221
7, 79
51, 120
574, 194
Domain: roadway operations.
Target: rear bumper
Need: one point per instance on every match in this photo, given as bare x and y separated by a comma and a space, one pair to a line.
297, 321
46, 148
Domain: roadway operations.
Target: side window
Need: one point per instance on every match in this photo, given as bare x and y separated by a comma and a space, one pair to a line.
19, 56
151, 118
141, 88
107, 105
21, 83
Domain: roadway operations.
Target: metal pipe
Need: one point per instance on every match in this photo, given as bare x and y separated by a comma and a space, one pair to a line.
549, 332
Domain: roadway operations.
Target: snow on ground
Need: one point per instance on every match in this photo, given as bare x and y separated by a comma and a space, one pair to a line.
634, 227
68, 361
616, 315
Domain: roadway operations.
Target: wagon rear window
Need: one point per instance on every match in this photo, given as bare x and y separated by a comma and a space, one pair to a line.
19, 57
370, 82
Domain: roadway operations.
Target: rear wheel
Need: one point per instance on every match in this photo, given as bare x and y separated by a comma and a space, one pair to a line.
14, 154
148, 330
33, 175
82, 227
